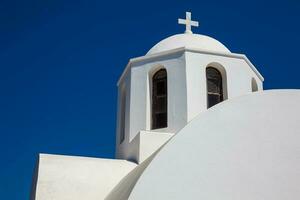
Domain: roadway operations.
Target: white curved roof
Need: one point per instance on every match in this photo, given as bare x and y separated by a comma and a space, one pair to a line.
245, 148
196, 41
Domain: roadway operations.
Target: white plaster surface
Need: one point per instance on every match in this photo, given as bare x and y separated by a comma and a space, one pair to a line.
150, 142
187, 97
202, 42
237, 77
123, 189
78, 178
246, 148
138, 115
144, 145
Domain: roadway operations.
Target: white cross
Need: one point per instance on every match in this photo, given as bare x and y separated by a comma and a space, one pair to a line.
188, 22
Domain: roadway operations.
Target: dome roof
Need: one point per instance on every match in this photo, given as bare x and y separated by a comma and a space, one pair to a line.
201, 42
228, 155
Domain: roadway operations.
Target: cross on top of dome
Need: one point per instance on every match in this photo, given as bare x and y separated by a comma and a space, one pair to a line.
188, 22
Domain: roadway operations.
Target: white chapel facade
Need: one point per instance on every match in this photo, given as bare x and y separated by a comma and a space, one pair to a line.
193, 122
194, 72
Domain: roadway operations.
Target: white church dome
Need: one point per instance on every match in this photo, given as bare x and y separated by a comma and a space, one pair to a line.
195, 41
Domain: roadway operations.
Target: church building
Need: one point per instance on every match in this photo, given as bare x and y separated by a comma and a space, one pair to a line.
193, 123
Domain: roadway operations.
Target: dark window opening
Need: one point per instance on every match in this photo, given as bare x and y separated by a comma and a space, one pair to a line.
159, 100
122, 116
254, 85
214, 87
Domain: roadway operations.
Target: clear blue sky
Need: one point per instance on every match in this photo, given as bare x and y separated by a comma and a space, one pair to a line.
60, 61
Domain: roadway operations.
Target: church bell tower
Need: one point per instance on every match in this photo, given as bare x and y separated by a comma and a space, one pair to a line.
179, 78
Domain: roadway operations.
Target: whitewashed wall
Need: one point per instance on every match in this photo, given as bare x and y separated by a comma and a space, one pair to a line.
187, 95
237, 78
77, 178
245, 148
138, 111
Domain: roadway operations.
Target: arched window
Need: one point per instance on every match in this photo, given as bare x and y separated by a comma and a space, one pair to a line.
214, 86
254, 85
122, 115
159, 100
